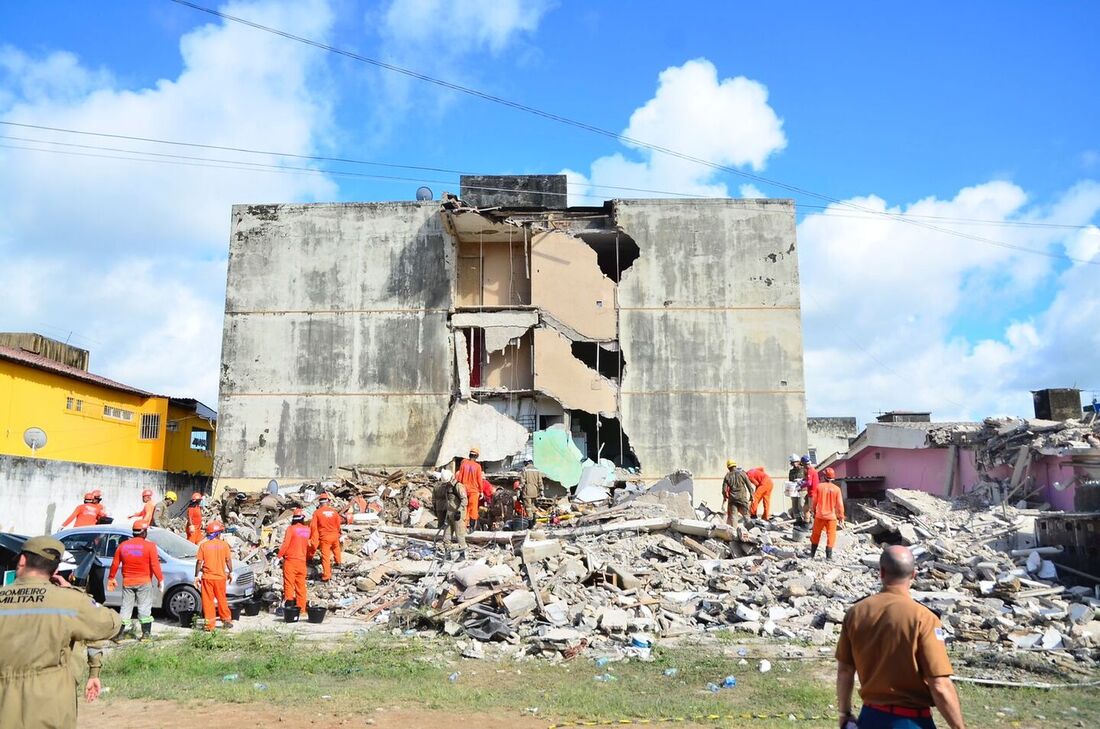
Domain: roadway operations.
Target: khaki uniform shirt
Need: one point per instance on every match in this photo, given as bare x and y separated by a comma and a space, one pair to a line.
39, 623
895, 643
160, 514
736, 487
532, 483
457, 500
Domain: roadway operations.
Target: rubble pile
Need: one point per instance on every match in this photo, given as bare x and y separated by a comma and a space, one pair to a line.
997, 441
621, 577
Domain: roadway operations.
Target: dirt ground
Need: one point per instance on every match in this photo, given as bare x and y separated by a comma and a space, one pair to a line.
129, 714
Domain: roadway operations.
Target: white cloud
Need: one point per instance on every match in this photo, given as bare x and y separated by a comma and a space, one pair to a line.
439, 38
131, 255
727, 121
750, 191
884, 303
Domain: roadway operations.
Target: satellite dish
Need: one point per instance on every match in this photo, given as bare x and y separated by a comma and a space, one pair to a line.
273, 486
35, 438
423, 194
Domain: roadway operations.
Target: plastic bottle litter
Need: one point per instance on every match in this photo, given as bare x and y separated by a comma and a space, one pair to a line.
742, 652
260, 686
453, 677
713, 687
605, 678
230, 677
602, 661
729, 682
671, 672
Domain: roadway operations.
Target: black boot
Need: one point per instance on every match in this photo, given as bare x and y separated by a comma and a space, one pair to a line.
828, 553
146, 631
813, 551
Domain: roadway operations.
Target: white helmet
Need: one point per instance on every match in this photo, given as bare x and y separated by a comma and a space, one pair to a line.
795, 458
445, 476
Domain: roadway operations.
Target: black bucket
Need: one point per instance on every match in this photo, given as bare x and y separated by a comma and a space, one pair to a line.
235, 612
291, 613
187, 617
316, 614
252, 608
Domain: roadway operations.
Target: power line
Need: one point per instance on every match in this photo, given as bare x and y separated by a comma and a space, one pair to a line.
244, 165
586, 126
322, 158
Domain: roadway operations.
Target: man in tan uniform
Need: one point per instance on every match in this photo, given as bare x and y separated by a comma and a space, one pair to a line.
532, 489
455, 524
39, 623
896, 645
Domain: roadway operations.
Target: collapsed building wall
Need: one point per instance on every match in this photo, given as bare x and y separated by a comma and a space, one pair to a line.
657, 332
336, 348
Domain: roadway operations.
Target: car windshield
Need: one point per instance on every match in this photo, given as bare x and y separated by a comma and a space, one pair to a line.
173, 544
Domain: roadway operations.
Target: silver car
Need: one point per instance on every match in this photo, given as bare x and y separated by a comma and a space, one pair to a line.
177, 563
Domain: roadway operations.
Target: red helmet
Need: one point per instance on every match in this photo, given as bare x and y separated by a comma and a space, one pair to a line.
414, 503
97, 494
89, 497
196, 496
297, 515
215, 526
324, 496
829, 473
146, 492
140, 526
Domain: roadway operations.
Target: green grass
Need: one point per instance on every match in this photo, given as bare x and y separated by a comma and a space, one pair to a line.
361, 674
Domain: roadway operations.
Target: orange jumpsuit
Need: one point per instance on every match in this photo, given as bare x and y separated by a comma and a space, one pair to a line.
194, 524
294, 553
325, 533
470, 476
215, 557
86, 515
763, 492
828, 509
145, 514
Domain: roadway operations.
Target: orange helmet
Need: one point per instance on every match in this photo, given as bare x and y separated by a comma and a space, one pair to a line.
196, 496
324, 496
89, 497
146, 492
97, 493
829, 473
140, 526
214, 526
297, 515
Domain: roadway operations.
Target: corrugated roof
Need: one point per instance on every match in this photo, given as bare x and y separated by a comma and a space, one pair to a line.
46, 364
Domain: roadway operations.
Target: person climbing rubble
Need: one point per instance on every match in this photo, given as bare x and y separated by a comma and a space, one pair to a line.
762, 496
533, 486
735, 492
270, 505
828, 505
325, 534
162, 511
470, 476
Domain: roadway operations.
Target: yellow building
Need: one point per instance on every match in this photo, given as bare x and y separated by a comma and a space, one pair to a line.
91, 419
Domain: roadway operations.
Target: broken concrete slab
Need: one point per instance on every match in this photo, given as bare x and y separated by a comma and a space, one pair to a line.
519, 602
536, 550
472, 424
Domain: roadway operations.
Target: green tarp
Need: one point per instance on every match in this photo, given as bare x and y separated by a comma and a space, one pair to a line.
557, 456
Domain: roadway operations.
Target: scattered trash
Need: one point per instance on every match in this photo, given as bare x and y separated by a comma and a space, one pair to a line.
671, 672
605, 678
713, 687
230, 677
765, 666
453, 677
729, 682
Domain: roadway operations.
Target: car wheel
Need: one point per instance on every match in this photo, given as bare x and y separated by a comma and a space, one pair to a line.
180, 599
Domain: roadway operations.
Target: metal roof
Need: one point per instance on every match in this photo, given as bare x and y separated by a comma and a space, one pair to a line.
38, 362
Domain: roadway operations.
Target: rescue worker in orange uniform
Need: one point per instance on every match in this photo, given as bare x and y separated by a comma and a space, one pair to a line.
828, 513
140, 563
809, 483
325, 534
87, 514
194, 518
145, 513
213, 570
294, 553
763, 493
470, 476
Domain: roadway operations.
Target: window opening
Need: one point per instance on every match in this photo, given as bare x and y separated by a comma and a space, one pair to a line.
117, 413
150, 426
200, 439
608, 362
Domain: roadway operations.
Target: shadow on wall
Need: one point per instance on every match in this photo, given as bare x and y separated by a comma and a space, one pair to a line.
419, 271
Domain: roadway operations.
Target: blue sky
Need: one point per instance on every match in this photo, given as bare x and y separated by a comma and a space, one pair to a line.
978, 111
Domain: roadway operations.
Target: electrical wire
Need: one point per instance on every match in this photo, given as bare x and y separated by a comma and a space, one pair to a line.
629, 141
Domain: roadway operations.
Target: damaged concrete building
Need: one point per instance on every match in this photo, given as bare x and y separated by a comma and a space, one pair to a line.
661, 334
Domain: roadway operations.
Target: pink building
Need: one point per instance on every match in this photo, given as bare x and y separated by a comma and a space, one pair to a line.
898, 453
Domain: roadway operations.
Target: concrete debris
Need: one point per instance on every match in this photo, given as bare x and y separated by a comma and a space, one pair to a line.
590, 579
